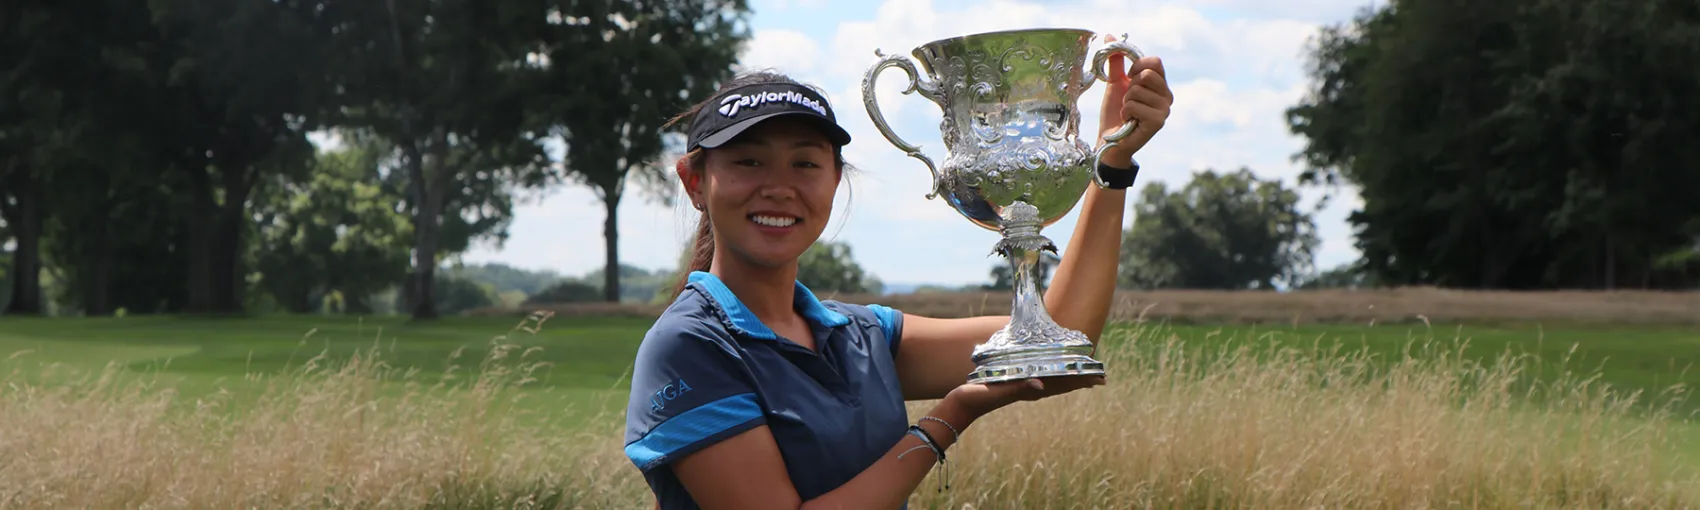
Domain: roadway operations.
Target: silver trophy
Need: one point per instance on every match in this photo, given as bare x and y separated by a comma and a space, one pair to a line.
1016, 164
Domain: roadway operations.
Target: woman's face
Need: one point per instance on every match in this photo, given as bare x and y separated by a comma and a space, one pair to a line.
769, 192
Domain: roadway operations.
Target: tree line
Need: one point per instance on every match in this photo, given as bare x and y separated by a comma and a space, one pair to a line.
160, 155
1522, 144
157, 155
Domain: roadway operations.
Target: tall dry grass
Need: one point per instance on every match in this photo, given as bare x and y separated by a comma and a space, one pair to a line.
354, 433
1247, 427
1258, 425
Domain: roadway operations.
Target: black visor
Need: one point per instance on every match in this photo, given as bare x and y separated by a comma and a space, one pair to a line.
738, 109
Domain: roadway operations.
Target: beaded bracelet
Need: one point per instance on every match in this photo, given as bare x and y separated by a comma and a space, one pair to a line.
928, 442
954, 434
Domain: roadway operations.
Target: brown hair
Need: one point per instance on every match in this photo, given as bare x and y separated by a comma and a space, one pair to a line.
702, 249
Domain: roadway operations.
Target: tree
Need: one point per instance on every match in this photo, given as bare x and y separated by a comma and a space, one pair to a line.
446, 82
565, 291
1344, 276
505, 278
646, 61
1220, 231
82, 137
460, 295
247, 75
636, 283
1557, 163
338, 232
21, 212
45, 40
829, 266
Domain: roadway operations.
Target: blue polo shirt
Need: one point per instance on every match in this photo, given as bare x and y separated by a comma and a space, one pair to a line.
708, 370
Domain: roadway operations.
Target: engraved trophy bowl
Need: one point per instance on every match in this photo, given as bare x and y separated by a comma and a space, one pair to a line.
1015, 164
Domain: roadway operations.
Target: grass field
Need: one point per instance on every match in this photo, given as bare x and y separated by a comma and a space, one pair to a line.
245, 412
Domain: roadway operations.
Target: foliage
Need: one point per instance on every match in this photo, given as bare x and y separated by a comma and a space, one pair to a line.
1521, 144
444, 82
506, 278
340, 231
656, 57
566, 291
1220, 231
1344, 276
830, 267
456, 295
636, 284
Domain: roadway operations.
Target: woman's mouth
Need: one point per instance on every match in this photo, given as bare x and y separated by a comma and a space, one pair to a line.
775, 221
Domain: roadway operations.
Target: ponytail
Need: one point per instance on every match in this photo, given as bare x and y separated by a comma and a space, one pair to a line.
702, 253
702, 246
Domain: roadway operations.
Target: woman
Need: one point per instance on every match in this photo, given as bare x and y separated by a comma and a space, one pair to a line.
750, 393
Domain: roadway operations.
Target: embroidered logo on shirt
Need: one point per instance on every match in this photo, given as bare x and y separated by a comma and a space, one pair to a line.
667, 393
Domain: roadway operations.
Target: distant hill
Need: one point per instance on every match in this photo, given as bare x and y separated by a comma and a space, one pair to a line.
911, 288
504, 278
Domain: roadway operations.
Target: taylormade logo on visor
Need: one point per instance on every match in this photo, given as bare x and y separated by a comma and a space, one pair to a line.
737, 102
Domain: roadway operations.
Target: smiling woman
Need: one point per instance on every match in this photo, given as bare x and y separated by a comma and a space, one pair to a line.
749, 392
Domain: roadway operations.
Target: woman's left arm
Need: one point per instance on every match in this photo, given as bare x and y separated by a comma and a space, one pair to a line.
934, 354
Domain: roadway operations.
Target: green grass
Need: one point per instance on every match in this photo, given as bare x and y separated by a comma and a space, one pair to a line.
588, 358
1657, 361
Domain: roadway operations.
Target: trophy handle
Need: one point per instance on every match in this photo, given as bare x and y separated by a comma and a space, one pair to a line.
1100, 71
927, 89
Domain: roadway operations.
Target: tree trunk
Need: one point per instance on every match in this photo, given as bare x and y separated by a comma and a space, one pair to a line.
97, 291
225, 274
1647, 273
297, 301
26, 220
200, 243
611, 250
428, 191
1611, 262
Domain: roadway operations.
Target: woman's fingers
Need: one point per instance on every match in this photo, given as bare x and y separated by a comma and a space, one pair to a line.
1147, 115
1145, 96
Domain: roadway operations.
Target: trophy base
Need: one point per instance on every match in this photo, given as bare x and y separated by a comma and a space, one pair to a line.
1066, 356
1027, 368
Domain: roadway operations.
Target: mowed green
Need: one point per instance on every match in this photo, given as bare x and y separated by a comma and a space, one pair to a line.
581, 363
586, 360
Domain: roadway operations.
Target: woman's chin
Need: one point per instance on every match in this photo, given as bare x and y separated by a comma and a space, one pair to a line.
773, 257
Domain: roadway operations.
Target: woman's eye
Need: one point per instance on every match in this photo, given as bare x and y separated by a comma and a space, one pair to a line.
747, 162
807, 164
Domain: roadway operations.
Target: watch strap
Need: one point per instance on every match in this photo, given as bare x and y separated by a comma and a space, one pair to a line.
1118, 178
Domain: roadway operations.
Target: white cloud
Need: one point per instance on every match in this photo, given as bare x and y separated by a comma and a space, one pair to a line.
1235, 66
789, 51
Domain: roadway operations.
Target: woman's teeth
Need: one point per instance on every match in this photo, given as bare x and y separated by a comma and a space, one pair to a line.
774, 221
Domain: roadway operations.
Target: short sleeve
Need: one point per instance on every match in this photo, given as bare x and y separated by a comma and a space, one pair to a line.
891, 323
689, 390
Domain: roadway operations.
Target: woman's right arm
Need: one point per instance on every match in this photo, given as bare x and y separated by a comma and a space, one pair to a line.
746, 471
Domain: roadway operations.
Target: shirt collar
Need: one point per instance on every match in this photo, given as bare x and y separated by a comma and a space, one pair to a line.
741, 318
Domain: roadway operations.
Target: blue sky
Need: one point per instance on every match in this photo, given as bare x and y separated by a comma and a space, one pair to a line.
1234, 65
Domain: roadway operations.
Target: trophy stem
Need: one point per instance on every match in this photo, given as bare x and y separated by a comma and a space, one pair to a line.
1032, 344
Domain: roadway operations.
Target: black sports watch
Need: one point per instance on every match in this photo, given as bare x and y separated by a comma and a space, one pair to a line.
1118, 178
